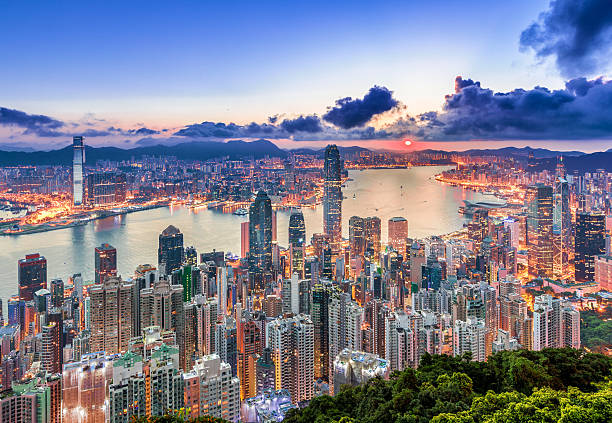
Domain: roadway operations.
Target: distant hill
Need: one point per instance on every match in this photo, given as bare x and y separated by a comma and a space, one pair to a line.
585, 163
186, 151
515, 152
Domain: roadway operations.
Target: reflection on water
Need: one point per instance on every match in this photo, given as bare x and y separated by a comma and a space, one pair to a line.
430, 207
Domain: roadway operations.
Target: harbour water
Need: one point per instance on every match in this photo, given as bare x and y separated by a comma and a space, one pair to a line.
430, 207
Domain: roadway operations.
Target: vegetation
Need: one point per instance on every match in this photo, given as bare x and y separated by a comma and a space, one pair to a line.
596, 329
545, 386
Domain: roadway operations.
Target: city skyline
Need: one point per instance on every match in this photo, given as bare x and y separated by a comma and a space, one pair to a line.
189, 87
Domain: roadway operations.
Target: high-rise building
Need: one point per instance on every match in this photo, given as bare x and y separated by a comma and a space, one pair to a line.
249, 348
469, 336
244, 239
590, 243
354, 368
210, 389
332, 196
170, 251
297, 241
291, 341
78, 171
562, 230
32, 275
105, 188
57, 293
105, 258
398, 233
322, 294
539, 204
372, 237
357, 236
603, 272
265, 371
345, 324
260, 234
112, 315
51, 357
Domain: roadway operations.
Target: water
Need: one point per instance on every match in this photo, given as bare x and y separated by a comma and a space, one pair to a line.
429, 206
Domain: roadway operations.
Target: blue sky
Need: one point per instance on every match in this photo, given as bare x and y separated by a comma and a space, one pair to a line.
164, 65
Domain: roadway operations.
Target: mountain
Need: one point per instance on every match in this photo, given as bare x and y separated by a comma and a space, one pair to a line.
584, 163
516, 152
185, 151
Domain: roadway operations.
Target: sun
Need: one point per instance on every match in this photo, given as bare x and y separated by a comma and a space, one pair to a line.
408, 142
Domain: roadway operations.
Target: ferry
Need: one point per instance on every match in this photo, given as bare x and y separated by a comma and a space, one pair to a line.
241, 212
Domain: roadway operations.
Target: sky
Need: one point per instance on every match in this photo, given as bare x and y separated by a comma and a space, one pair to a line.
144, 72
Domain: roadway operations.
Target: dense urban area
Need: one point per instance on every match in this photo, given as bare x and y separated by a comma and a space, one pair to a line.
519, 298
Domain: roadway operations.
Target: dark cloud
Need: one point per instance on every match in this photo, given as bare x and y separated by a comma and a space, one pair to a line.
40, 125
576, 33
309, 124
350, 113
220, 130
143, 131
580, 111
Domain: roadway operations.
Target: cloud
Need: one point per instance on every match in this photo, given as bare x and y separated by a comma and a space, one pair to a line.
576, 33
350, 113
310, 124
580, 111
40, 125
143, 131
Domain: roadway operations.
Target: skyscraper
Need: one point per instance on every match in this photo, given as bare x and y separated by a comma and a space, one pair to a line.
297, 237
106, 188
539, 203
78, 164
562, 231
105, 262
590, 242
398, 232
51, 357
372, 237
32, 275
357, 236
170, 252
249, 348
260, 234
332, 196
291, 343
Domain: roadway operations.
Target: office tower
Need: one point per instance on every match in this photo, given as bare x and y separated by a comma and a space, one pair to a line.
187, 337
51, 357
13, 310
603, 272
105, 257
111, 315
478, 228
345, 324
357, 236
265, 371
297, 238
57, 293
104, 188
562, 230
291, 341
146, 388
210, 389
469, 336
539, 204
590, 242
260, 234
249, 348
78, 169
322, 294
32, 276
244, 239
372, 237
398, 232
170, 252
190, 256
354, 368
417, 260
332, 196
84, 388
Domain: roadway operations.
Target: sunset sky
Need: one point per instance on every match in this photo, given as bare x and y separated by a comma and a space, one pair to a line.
144, 72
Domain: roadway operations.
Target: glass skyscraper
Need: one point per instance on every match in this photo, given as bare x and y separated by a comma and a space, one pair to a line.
590, 242
539, 203
78, 164
297, 238
170, 252
260, 234
332, 196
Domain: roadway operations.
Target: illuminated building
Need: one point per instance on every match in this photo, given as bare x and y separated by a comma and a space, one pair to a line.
57, 292
105, 257
84, 389
417, 260
469, 336
562, 230
322, 294
291, 341
170, 251
590, 242
112, 316
269, 406
78, 168
249, 348
244, 239
32, 276
372, 237
297, 238
354, 368
398, 232
265, 371
191, 257
260, 235
539, 204
210, 389
51, 357
357, 236
105, 188
332, 196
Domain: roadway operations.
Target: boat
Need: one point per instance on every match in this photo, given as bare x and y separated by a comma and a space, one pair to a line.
241, 212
